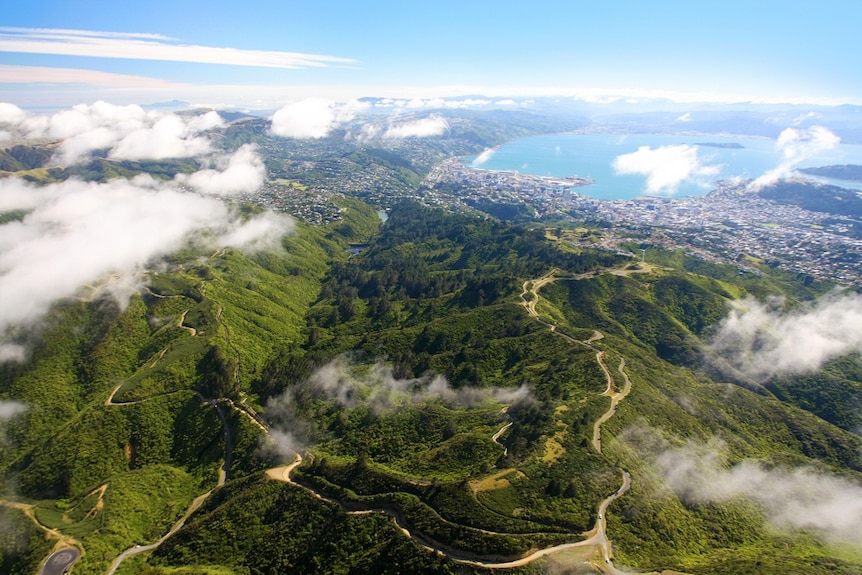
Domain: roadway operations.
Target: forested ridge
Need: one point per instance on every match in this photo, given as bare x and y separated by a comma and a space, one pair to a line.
396, 373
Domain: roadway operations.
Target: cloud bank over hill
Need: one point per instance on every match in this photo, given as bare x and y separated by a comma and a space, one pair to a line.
242, 172
126, 132
74, 234
800, 498
433, 125
315, 118
764, 341
312, 118
77, 233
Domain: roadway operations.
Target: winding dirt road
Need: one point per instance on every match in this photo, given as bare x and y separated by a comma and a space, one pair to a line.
616, 397
597, 535
197, 502
530, 297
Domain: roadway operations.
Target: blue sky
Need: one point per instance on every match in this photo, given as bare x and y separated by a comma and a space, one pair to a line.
281, 51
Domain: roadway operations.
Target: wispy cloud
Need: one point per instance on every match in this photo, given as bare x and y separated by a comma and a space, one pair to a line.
482, 158
78, 76
790, 498
796, 145
762, 341
77, 233
142, 46
665, 167
377, 388
431, 126
10, 113
9, 409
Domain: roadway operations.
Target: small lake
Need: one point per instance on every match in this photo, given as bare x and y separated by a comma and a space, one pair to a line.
626, 166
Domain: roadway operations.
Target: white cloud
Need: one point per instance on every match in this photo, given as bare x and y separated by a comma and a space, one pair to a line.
128, 132
312, 117
149, 47
791, 498
82, 118
78, 146
44, 75
486, 155
377, 387
684, 118
453, 103
763, 341
242, 172
206, 121
423, 128
9, 409
796, 145
10, 352
802, 118
79, 233
263, 231
168, 137
10, 113
665, 167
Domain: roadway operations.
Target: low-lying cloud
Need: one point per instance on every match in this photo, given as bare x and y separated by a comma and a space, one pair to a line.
381, 390
11, 114
665, 167
312, 118
796, 145
423, 128
763, 341
243, 172
482, 158
374, 387
168, 137
9, 409
790, 498
76, 233
126, 132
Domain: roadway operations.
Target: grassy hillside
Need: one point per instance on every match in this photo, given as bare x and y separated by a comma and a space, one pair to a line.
479, 384
437, 296
121, 430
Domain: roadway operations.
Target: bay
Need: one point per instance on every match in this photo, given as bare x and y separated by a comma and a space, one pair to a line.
625, 166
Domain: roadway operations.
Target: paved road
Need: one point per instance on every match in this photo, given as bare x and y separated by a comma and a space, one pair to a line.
60, 561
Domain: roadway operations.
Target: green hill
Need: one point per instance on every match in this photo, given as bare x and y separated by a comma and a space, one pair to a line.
472, 382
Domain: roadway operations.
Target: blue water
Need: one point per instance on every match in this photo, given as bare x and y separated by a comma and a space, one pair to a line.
592, 156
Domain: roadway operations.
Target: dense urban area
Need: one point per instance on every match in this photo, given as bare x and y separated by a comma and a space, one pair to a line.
731, 224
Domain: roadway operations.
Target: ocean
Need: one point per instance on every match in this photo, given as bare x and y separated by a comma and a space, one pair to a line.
627, 166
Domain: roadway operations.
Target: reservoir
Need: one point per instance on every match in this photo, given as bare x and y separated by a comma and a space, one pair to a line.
625, 166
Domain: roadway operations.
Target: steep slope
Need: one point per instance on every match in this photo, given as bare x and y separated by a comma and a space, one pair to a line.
466, 396
134, 411
422, 351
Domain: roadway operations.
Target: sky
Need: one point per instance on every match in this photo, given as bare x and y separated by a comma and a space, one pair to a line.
261, 54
